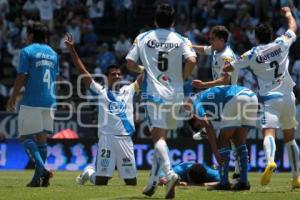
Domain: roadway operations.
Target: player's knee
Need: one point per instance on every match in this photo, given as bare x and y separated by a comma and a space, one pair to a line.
131, 181
101, 180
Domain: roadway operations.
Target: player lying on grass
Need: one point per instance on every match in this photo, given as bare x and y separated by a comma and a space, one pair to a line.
191, 173
236, 108
115, 124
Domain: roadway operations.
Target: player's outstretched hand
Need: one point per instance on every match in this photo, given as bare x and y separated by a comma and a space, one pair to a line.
285, 10
198, 84
69, 40
11, 104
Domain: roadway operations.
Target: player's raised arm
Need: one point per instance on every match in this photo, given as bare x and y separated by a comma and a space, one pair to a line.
133, 66
292, 25
87, 78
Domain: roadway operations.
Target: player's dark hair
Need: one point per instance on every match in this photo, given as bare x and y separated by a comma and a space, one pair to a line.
110, 67
263, 33
197, 174
165, 15
220, 32
40, 32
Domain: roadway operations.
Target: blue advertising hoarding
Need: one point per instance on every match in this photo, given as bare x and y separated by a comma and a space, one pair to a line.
77, 154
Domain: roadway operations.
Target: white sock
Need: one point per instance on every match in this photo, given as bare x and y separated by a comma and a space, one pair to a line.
155, 170
92, 175
162, 150
270, 148
236, 159
293, 153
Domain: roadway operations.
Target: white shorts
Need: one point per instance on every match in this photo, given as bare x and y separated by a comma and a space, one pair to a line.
240, 111
33, 120
279, 112
162, 116
115, 151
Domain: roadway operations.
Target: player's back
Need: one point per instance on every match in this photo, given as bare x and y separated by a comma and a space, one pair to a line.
270, 64
40, 63
161, 52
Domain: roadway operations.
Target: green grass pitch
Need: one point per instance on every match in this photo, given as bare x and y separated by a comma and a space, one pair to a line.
63, 186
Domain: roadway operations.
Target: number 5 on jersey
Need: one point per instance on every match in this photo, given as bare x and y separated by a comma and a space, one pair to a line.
162, 61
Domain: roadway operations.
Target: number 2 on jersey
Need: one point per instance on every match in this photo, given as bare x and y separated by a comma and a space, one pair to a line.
46, 78
162, 61
276, 65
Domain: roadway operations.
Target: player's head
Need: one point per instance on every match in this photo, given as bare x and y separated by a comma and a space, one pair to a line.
263, 33
218, 37
113, 73
37, 32
197, 174
164, 16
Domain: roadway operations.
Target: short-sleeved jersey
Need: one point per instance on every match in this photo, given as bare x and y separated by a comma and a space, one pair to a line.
269, 64
210, 102
115, 109
162, 53
219, 59
182, 169
40, 63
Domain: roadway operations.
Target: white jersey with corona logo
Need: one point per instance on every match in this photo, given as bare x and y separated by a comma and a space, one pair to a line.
269, 64
115, 109
162, 53
219, 60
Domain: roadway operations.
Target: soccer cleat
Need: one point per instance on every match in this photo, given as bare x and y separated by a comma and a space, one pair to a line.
219, 187
46, 178
149, 190
82, 178
34, 183
170, 186
241, 186
266, 177
200, 135
235, 178
296, 183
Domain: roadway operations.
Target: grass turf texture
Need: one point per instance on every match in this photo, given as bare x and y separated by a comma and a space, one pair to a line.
63, 186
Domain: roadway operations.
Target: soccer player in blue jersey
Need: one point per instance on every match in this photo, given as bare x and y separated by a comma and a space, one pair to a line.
37, 72
236, 108
191, 173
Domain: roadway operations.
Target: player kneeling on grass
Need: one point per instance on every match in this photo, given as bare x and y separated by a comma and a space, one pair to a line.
236, 107
115, 124
191, 173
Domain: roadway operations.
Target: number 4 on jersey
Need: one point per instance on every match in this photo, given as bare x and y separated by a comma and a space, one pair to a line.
46, 78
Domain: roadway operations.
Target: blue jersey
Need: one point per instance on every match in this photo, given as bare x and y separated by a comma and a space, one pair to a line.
40, 63
211, 101
181, 169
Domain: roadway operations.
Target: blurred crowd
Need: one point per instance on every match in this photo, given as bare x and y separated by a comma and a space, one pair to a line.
103, 31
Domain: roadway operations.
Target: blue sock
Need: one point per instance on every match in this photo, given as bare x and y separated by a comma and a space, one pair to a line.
33, 152
43, 151
243, 156
223, 170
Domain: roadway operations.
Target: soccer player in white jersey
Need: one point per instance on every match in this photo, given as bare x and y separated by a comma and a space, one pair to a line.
115, 124
221, 54
269, 62
162, 52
